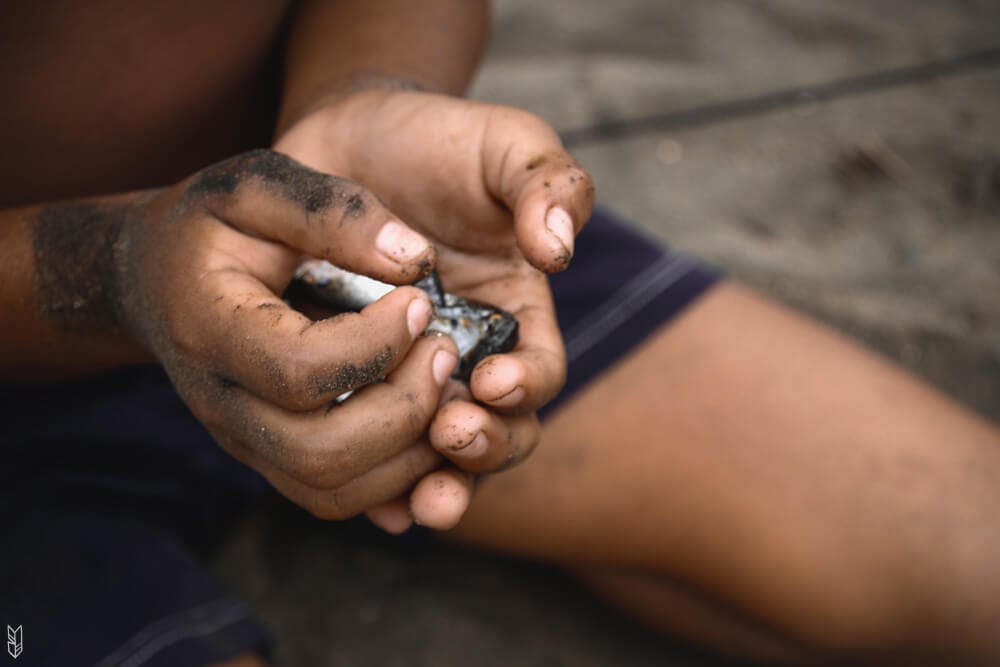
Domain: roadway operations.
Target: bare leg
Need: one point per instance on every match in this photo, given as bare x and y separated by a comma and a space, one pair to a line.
685, 613
804, 491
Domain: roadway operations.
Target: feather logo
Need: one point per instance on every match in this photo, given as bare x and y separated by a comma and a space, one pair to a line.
15, 641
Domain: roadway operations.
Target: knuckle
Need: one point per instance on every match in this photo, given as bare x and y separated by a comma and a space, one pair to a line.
283, 176
185, 339
305, 383
582, 181
328, 506
268, 442
312, 473
521, 121
529, 120
308, 471
297, 382
353, 200
414, 412
323, 467
355, 373
418, 414
309, 383
578, 176
419, 464
217, 183
412, 470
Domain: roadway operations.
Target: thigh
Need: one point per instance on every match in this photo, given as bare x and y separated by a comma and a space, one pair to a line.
772, 464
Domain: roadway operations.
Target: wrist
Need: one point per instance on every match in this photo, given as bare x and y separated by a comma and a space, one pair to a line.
340, 90
66, 295
77, 278
340, 133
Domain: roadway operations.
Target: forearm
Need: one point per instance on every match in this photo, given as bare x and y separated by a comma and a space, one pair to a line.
58, 290
336, 47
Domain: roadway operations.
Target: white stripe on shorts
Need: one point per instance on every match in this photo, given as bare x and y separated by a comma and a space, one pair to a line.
630, 298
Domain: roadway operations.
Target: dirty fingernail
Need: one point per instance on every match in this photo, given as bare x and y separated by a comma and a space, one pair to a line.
476, 448
443, 364
400, 243
418, 316
560, 225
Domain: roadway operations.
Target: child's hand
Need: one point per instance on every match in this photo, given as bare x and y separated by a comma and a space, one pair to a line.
495, 191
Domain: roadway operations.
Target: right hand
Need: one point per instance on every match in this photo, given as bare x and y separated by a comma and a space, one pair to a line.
200, 268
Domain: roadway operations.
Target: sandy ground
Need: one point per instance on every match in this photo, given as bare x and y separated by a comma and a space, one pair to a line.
876, 211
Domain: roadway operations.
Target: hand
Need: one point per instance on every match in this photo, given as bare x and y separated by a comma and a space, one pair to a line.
199, 268
493, 188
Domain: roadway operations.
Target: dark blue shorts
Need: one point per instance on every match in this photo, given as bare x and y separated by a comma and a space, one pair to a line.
111, 492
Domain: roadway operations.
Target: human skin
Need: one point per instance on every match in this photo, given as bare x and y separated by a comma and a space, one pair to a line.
796, 498
191, 275
781, 494
485, 236
173, 274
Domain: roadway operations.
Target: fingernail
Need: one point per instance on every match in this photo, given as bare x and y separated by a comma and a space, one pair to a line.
390, 519
560, 225
476, 448
443, 364
400, 243
418, 316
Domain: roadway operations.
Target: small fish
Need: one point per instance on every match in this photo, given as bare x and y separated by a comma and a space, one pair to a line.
478, 329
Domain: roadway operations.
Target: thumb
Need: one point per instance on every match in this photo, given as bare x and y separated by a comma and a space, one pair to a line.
526, 166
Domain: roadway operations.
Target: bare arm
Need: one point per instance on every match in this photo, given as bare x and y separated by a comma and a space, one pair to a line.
372, 96
341, 47
192, 274
58, 290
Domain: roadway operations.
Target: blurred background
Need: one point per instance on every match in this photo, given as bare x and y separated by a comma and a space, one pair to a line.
841, 156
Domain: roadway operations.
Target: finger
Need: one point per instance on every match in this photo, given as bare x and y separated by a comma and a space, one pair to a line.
327, 448
374, 489
550, 194
252, 338
269, 195
393, 517
455, 389
480, 441
439, 500
531, 374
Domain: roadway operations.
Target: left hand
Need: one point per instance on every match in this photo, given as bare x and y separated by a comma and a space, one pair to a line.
496, 192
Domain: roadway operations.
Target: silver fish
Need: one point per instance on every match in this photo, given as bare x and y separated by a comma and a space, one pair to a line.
478, 329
